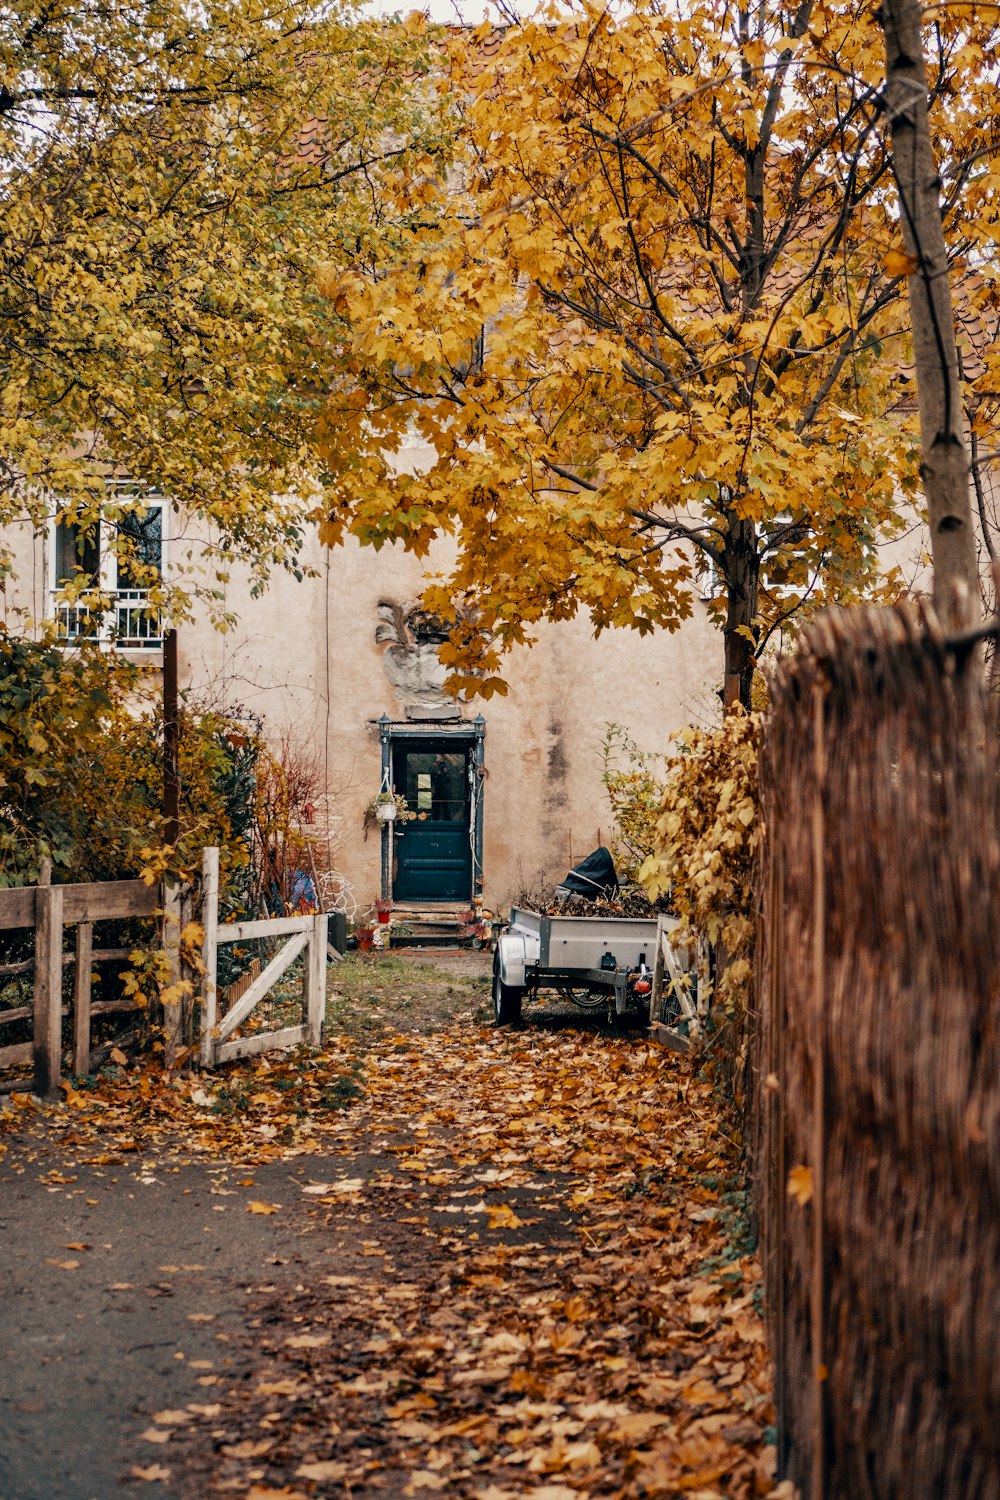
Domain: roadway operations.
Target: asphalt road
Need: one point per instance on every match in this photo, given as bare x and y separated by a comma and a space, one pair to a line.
94, 1341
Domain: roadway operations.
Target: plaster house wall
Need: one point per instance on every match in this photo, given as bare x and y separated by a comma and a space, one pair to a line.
326, 657
544, 803
325, 660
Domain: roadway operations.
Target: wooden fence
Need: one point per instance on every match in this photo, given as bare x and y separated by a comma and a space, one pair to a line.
877, 1144
48, 909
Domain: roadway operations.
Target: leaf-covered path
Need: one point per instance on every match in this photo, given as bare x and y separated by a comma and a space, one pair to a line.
511, 1267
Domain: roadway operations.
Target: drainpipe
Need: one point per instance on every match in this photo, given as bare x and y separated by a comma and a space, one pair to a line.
479, 771
171, 741
384, 728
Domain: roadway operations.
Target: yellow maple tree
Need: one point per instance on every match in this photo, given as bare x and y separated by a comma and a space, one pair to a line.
169, 177
650, 326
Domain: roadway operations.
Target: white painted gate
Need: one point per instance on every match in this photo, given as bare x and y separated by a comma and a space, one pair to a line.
305, 934
679, 981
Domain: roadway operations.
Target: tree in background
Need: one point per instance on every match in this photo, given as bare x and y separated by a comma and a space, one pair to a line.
654, 331
944, 469
169, 177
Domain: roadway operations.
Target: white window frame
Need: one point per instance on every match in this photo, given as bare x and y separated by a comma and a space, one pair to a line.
123, 621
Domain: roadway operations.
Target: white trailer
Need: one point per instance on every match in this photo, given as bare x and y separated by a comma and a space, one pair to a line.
596, 962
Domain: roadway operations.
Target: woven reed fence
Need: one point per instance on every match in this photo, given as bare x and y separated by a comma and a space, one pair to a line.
878, 1063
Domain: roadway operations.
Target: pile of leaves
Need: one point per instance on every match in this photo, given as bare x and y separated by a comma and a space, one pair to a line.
259, 1108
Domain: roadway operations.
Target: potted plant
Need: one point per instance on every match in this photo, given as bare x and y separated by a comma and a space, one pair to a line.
387, 807
364, 932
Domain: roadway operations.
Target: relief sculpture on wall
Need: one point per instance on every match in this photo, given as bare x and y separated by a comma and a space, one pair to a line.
411, 637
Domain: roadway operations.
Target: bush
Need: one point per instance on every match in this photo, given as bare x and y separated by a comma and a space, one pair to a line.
707, 835
635, 786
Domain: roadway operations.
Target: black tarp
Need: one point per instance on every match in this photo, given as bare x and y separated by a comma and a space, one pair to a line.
594, 876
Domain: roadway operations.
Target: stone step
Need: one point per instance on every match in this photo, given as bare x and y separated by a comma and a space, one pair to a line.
430, 927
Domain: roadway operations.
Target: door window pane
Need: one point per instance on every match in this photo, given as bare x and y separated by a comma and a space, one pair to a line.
435, 784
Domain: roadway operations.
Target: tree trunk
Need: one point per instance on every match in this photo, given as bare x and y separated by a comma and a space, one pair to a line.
741, 566
944, 468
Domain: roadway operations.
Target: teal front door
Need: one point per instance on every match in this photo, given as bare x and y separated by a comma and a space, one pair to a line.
433, 849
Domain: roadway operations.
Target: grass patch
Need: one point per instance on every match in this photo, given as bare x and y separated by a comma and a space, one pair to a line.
372, 995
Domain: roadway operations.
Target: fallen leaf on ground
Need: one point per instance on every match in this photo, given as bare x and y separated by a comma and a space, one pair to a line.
264, 1492
544, 1359
248, 1449
502, 1216
323, 1469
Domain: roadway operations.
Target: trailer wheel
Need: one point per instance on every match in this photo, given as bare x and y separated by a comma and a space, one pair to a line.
585, 999
506, 998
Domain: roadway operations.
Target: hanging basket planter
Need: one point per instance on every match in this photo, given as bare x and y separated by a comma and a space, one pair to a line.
387, 807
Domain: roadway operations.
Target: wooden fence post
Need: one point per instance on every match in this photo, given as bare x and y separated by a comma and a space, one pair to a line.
776, 1167
316, 1006
818, 1299
209, 953
48, 990
173, 1008
81, 998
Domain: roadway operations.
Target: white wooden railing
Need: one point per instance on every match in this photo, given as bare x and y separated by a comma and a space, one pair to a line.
123, 619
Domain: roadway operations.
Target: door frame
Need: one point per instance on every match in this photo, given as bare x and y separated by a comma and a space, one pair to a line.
464, 735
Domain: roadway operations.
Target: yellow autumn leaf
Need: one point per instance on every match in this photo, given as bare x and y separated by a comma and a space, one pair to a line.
265, 1492
636, 1426
800, 1184
257, 1207
898, 262
502, 1216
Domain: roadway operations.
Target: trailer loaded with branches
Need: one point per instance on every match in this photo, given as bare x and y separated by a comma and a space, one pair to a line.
590, 946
